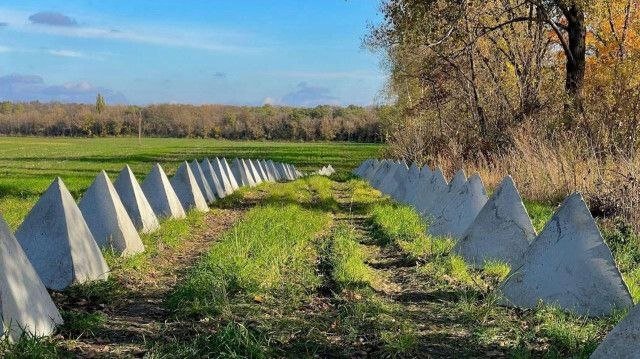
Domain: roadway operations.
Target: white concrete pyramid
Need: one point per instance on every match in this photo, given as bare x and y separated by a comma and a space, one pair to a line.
458, 180
107, 218
232, 179
135, 201
202, 181
287, 173
389, 180
397, 180
502, 231
369, 172
241, 173
58, 242
570, 266
25, 304
430, 188
412, 184
220, 171
215, 183
261, 172
407, 184
461, 209
382, 173
274, 171
358, 170
283, 171
160, 194
622, 340
267, 170
257, 179
187, 189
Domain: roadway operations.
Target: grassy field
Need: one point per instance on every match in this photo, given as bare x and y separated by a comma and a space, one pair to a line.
29, 164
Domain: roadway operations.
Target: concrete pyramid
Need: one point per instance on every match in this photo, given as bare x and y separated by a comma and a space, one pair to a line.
622, 340
135, 201
371, 170
458, 180
233, 181
459, 212
58, 242
160, 194
187, 189
407, 184
274, 171
412, 184
241, 173
203, 182
222, 175
267, 171
283, 171
359, 171
215, 183
430, 188
261, 172
382, 174
25, 304
254, 171
393, 178
502, 231
570, 266
107, 218
287, 172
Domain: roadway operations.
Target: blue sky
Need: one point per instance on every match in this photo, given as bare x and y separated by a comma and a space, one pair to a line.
292, 52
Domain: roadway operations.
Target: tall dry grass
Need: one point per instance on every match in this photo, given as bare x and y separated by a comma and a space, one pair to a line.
547, 170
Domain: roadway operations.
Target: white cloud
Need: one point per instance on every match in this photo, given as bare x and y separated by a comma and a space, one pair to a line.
67, 53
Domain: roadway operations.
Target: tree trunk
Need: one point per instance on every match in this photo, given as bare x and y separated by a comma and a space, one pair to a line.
576, 59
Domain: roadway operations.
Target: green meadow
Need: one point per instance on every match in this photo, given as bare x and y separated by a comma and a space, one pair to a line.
29, 164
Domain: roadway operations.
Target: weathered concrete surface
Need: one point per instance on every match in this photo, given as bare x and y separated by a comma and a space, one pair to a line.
187, 189
622, 341
215, 183
58, 241
253, 171
288, 172
267, 170
239, 173
429, 191
570, 266
411, 184
458, 181
220, 171
25, 304
382, 173
135, 201
460, 210
160, 194
394, 179
502, 231
274, 170
202, 181
107, 218
284, 174
370, 172
232, 179
261, 171
360, 170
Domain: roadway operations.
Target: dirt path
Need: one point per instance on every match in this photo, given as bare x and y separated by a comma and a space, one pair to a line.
442, 331
138, 315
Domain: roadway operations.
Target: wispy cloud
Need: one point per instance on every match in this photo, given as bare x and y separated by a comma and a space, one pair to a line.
67, 53
202, 39
306, 95
5, 49
328, 75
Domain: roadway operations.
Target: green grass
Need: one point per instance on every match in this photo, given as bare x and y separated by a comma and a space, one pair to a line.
29, 164
29, 347
403, 226
348, 259
540, 213
270, 253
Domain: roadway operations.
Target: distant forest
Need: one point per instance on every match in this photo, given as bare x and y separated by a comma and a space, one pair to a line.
322, 123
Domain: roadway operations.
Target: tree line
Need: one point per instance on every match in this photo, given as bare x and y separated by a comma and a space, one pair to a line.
467, 75
322, 123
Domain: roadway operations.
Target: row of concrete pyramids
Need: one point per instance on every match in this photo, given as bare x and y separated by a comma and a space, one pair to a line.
326, 171
567, 265
58, 244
